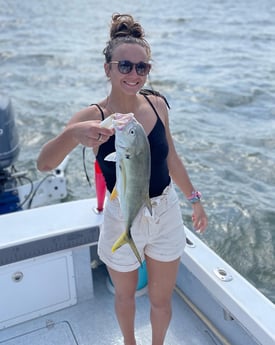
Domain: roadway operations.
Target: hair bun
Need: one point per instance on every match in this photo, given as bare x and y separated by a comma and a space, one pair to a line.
124, 29
124, 25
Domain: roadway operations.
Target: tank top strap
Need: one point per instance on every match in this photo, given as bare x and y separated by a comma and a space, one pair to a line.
100, 109
148, 92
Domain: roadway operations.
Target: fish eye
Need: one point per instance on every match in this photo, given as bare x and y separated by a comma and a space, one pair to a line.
132, 131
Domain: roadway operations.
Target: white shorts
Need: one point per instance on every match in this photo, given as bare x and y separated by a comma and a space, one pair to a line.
160, 236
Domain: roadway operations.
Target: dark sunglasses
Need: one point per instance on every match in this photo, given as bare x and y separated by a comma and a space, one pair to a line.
125, 67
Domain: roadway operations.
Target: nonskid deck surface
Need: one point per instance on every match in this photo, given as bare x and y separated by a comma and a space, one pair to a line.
93, 322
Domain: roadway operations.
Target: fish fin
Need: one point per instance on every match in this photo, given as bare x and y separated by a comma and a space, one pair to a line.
114, 194
149, 205
123, 239
120, 242
111, 157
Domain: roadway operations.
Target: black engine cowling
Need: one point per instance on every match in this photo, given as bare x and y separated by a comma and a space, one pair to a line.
9, 140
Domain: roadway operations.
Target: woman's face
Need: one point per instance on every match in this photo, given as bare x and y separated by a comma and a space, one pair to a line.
131, 82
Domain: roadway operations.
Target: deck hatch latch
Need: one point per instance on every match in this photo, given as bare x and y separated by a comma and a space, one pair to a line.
50, 324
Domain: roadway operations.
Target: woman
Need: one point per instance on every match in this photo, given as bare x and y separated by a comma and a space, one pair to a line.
160, 238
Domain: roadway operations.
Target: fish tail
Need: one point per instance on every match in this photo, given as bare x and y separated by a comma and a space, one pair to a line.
120, 242
123, 239
134, 249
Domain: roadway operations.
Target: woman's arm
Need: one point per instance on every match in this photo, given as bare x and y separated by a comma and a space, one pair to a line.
179, 174
84, 128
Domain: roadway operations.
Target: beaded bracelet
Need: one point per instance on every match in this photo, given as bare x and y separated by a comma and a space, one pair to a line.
194, 197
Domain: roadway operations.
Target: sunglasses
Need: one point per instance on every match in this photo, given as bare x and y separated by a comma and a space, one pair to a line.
126, 66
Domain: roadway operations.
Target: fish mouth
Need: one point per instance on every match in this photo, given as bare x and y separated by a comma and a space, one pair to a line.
121, 120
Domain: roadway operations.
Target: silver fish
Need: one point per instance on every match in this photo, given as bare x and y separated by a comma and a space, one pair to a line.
133, 169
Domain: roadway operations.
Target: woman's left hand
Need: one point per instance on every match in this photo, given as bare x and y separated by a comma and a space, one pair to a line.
199, 218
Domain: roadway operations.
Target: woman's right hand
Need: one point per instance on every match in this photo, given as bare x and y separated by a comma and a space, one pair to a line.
89, 133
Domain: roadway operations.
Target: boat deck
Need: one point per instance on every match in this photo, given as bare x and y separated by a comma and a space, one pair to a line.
50, 295
93, 322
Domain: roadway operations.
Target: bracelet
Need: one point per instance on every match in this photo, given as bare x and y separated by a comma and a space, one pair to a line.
194, 197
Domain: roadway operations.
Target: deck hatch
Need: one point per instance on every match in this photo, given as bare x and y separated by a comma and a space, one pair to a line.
56, 333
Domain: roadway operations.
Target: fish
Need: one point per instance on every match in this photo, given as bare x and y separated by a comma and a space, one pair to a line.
133, 170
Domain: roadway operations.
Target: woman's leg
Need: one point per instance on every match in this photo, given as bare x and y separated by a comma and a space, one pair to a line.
161, 282
125, 284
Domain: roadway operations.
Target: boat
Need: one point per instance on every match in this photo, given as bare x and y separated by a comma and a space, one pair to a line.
55, 290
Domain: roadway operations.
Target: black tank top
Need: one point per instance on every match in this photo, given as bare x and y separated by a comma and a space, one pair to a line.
159, 150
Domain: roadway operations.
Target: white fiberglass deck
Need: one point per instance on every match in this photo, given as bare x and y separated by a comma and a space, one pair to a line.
93, 322
50, 295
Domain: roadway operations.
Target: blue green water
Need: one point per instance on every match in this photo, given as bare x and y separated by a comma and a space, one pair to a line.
214, 60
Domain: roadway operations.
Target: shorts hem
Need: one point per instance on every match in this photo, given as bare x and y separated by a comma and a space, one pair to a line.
119, 268
165, 258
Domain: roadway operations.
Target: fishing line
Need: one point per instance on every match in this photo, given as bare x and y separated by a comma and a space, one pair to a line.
84, 165
37, 188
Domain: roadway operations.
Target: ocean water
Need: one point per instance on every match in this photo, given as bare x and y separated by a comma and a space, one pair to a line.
213, 60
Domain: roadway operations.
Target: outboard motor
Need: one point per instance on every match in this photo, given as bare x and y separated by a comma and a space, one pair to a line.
9, 150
